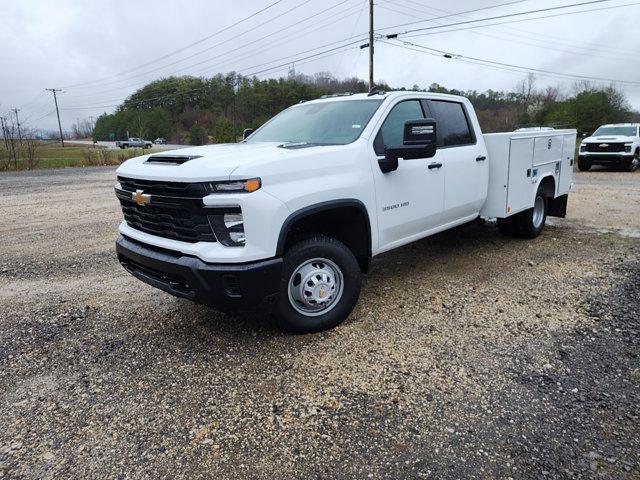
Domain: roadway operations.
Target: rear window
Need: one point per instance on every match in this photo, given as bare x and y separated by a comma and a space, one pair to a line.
452, 124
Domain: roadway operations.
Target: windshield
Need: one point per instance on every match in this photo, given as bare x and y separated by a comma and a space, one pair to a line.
325, 123
626, 131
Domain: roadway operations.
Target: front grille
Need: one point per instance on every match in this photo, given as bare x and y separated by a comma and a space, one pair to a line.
168, 222
169, 189
600, 147
175, 210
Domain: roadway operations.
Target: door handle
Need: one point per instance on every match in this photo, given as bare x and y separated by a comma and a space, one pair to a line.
481, 158
434, 165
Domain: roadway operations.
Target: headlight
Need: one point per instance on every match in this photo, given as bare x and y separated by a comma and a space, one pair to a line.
627, 147
583, 148
236, 186
228, 225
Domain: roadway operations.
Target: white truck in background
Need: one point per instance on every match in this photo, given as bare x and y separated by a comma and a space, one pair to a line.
616, 145
288, 219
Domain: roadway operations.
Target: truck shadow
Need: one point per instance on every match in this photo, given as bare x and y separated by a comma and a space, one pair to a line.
432, 262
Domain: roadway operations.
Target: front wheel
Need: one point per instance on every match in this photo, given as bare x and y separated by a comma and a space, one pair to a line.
320, 285
584, 165
634, 163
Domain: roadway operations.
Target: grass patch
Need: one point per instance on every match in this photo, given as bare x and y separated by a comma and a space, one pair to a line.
53, 155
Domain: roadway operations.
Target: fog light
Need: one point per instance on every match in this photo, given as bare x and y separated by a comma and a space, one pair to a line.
228, 226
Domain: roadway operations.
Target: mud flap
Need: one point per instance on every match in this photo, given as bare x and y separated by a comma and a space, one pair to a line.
557, 207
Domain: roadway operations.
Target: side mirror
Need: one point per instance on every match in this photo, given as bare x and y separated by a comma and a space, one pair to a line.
246, 132
585, 135
419, 141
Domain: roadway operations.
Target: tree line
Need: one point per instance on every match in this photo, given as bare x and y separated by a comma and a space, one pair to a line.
200, 110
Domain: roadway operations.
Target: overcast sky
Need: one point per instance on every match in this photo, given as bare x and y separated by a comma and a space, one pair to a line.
94, 50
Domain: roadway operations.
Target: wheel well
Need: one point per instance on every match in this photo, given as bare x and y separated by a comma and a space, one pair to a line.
548, 186
347, 223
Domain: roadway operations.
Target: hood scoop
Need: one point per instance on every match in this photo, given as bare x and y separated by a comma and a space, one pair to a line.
171, 159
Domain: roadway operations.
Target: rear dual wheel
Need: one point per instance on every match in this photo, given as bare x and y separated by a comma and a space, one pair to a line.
527, 224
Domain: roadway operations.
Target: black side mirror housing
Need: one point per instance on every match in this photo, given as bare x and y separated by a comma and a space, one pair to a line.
419, 141
246, 132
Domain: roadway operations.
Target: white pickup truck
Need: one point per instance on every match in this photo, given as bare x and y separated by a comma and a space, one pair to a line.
288, 219
615, 145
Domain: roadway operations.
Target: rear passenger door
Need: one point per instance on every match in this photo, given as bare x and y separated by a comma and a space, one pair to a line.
464, 159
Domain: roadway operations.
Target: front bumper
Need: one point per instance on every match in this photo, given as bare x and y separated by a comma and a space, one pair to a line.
222, 286
606, 159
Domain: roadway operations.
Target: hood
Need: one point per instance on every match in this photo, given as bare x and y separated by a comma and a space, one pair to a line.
609, 139
210, 162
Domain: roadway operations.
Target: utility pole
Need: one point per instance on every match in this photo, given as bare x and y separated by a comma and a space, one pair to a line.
55, 99
15, 110
370, 45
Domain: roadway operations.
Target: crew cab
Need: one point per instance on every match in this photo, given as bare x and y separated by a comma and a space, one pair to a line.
133, 143
288, 219
616, 145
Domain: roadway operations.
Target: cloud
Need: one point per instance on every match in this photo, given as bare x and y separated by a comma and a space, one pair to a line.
70, 42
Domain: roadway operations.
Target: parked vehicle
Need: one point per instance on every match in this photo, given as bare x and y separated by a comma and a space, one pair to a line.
288, 219
160, 141
133, 143
616, 145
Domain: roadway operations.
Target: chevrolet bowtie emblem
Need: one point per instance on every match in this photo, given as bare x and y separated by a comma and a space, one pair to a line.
603, 145
140, 198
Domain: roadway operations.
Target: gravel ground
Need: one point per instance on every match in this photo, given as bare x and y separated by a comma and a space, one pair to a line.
470, 355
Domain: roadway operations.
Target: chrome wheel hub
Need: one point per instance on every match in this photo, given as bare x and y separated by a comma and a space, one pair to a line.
315, 287
538, 212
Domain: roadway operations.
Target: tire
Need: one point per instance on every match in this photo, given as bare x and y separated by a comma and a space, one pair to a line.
506, 226
584, 165
634, 163
530, 223
331, 266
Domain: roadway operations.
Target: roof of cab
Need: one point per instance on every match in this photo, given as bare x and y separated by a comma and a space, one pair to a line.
621, 125
341, 97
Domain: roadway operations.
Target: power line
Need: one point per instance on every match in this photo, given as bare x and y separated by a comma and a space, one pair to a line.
449, 55
457, 14
586, 52
509, 15
266, 47
561, 14
288, 62
186, 47
251, 30
521, 33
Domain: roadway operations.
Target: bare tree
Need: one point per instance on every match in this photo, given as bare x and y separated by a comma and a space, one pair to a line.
30, 152
82, 128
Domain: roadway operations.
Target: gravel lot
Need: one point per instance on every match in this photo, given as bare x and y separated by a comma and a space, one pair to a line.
470, 355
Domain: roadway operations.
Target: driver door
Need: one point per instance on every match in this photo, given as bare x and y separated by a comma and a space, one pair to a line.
409, 200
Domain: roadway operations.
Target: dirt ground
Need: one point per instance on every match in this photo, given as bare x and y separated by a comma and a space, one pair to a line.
470, 355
